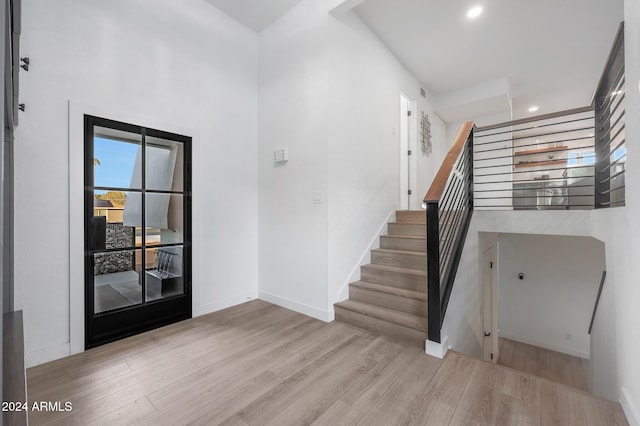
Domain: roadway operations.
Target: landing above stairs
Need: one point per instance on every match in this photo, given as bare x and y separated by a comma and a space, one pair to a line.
391, 296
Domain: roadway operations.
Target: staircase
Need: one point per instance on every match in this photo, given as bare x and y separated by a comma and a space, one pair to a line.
391, 296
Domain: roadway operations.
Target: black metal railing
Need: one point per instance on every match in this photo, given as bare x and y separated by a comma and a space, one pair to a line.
449, 205
595, 305
539, 163
574, 159
611, 151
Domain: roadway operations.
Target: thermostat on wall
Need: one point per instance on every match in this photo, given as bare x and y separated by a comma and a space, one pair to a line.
280, 155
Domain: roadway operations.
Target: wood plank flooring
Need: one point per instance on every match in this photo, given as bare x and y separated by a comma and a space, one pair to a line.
558, 367
258, 364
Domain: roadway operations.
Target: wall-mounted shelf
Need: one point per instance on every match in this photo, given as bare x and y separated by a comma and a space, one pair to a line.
542, 163
540, 157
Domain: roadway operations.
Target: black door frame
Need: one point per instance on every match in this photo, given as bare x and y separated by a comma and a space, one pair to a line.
116, 324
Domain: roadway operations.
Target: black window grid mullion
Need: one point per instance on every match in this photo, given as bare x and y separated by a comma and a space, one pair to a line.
143, 210
89, 178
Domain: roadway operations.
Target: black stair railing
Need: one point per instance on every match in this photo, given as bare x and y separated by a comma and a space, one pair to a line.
573, 159
449, 205
611, 152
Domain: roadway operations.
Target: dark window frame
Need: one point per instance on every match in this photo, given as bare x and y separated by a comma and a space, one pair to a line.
115, 324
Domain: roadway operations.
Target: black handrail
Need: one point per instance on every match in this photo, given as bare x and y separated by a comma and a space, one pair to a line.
449, 204
595, 306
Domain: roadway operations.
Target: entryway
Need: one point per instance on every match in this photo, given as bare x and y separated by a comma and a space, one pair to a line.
137, 229
539, 294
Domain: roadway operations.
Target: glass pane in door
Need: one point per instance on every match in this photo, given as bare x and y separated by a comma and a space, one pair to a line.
116, 159
164, 272
164, 165
164, 214
117, 280
121, 214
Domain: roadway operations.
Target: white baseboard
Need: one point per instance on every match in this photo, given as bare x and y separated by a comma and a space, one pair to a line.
343, 294
326, 316
438, 350
42, 356
550, 346
224, 304
630, 409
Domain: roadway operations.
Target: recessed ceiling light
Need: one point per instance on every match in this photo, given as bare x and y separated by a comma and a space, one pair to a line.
474, 12
533, 109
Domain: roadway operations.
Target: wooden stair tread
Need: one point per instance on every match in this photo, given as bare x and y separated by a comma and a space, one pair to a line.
396, 269
395, 291
413, 253
406, 320
406, 237
390, 299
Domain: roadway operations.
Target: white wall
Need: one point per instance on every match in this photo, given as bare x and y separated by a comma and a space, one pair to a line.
364, 143
558, 292
340, 122
614, 366
429, 165
293, 104
182, 65
462, 327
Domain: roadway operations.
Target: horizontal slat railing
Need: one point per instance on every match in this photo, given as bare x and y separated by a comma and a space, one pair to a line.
610, 142
449, 204
538, 163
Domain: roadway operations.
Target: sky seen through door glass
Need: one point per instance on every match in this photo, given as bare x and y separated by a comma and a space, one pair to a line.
116, 162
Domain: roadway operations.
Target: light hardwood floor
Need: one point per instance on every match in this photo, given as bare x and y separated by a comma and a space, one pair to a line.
258, 364
558, 367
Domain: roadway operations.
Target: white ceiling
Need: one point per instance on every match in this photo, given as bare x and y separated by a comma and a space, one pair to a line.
255, 14
551, 51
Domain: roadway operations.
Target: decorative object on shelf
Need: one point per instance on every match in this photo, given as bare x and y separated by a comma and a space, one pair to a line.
425, 134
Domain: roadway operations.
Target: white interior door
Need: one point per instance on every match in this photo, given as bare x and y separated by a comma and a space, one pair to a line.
406, 152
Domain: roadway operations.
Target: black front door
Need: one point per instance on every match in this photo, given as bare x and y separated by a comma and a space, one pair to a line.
137, 229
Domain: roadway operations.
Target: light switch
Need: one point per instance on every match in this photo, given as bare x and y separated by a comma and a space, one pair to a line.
280, 155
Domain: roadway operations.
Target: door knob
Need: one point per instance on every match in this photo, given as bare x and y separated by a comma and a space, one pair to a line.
487, 333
